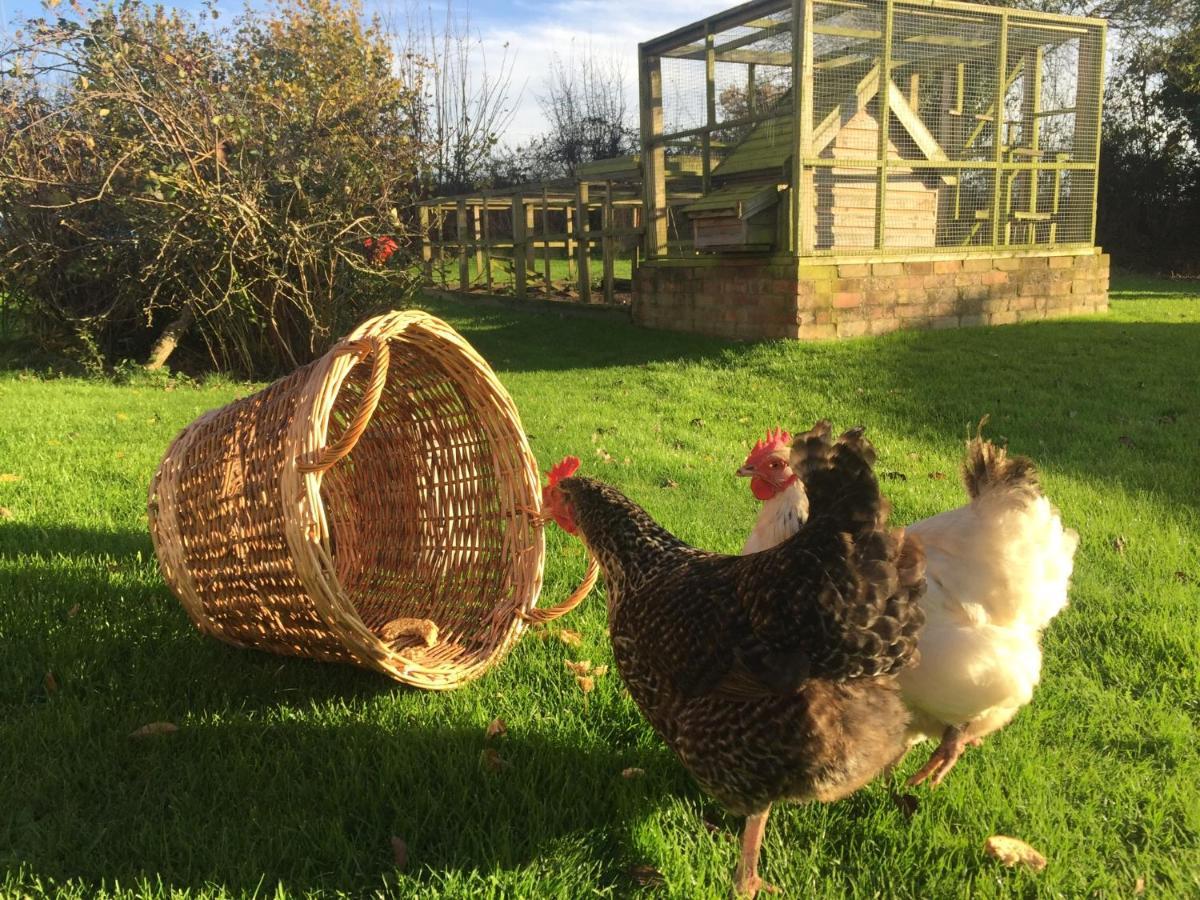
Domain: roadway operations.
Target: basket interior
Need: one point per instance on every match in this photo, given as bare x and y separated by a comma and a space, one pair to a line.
423, 513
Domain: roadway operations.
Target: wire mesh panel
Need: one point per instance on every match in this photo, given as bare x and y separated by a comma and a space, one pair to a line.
927, 126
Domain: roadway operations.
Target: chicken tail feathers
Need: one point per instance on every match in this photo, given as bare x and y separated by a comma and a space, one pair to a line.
988, 467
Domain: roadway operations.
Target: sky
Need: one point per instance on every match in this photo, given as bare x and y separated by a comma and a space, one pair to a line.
527, 33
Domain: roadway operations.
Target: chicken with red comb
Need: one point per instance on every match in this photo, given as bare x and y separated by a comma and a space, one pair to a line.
785, 504
773, 676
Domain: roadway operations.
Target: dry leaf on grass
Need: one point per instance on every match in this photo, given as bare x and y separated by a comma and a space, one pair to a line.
73, 611
9, 478
578, 668
1125, 440
647, 876
154, 729
492, 761
586, 684
1119, 544
632, 772
1139, 886
1012, 852
569, 637
937, 476
5, 512
669, 483
496, 728
50, 683
599, 671
399, 853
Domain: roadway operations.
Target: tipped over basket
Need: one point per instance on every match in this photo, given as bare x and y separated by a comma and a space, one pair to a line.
378, 507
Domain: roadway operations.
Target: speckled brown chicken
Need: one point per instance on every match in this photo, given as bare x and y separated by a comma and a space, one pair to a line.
769, 675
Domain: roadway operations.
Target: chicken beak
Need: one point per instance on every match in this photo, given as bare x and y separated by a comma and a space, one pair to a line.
746, 471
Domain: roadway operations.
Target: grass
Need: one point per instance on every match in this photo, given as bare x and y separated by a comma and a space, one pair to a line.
561, 272
290, 777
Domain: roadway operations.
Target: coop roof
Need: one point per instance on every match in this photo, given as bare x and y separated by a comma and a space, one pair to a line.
770, 144
741, 200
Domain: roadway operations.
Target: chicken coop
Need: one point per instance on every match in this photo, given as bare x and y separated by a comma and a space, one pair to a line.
863, 166
832, 168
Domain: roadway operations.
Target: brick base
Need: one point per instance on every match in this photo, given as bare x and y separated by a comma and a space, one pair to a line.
813, 299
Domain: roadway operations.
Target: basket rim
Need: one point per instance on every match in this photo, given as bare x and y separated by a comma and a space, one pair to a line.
306, 524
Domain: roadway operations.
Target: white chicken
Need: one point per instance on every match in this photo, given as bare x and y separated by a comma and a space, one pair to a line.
998, 570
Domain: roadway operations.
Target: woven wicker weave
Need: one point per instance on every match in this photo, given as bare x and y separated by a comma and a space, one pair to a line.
410, 544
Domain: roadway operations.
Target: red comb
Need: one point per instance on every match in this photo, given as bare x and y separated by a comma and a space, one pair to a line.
776, 440
564, 469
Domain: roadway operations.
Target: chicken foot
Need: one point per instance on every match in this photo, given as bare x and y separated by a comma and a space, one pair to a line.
746, 882
942, 760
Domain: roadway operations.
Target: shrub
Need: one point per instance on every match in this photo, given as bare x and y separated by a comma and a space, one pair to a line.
159, 172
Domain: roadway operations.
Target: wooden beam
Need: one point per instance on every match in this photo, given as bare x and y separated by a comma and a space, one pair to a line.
710, 110
653, 155
546, 239
426, 246
519, 242
607, 245
1002, 85
801, 197
884, 141
477, 215
464, 269
582, 233
487, 248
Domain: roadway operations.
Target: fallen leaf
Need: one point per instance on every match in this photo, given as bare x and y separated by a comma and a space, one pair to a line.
120, 454
647, 876
914, 456
569, 637
1139, 885
600, 671
669, 483
73, 611
586, 684
604, 455
491, 760
1012, 852
632, 772
1125, 440
122, 417
1167, 419
1072, 413
496, 728
5, 512
399, 853
677, 444
1183, 577
1119, 544
937, 476
896, 476
9, 478
423, 629
51, 683
579, 668
697, 422
154, 729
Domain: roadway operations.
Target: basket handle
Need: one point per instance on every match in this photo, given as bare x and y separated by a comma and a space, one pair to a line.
550, 613
336, 451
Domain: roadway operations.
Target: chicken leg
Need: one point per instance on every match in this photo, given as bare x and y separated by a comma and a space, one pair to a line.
746, 882
954, 742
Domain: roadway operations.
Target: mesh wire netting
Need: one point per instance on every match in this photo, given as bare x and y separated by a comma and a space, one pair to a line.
991, 137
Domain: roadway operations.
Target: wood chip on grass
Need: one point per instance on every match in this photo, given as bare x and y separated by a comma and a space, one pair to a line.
1014, 852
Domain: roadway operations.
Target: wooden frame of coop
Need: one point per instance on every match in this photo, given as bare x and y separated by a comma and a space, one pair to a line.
833, 200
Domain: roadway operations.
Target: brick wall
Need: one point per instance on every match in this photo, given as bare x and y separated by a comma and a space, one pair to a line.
811, 299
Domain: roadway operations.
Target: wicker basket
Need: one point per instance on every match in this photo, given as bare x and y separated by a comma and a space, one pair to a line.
410, 544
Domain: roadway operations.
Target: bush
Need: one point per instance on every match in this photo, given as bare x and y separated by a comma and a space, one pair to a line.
160, 173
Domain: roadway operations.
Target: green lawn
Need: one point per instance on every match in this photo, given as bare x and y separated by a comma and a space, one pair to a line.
446, 272
291, 777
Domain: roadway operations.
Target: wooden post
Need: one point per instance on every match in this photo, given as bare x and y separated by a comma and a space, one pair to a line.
475, 214
998, 125
487, 243
751, 89
1089, 96
530, 258
426, 247
519, 241
583, 233
881, 152
464, 271
608, 245
546, 240
635, 262
653, 154
801, 205
569, 226
710, 107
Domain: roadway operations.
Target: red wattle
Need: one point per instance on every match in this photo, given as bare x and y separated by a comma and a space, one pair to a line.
762, 489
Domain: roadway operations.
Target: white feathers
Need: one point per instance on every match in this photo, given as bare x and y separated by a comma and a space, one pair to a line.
779, 518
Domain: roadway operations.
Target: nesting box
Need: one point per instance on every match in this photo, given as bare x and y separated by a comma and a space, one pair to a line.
378, 507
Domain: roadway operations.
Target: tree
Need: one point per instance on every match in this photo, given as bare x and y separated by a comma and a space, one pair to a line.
159, 173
